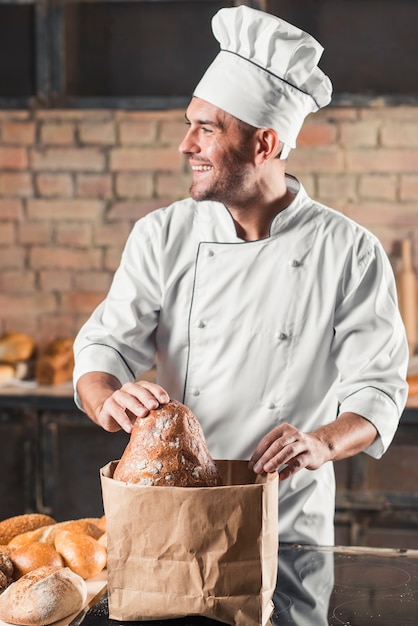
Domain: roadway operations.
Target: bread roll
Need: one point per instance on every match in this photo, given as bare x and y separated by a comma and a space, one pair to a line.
82, 553
55, 365
16, 347
7, 372
32, 556
168, 448
46, 534
44, 596
19, 524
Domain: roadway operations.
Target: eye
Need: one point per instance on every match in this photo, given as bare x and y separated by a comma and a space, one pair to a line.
206, 130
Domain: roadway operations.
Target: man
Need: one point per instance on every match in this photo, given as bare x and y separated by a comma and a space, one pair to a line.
271, 316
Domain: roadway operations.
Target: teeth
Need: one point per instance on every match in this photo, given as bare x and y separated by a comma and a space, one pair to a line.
201, 168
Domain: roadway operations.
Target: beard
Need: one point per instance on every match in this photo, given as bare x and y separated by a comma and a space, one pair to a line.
227, 183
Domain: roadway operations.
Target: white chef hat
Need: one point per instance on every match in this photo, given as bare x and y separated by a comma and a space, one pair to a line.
266, 72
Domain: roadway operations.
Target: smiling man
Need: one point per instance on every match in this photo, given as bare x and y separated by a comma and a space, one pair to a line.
273, 317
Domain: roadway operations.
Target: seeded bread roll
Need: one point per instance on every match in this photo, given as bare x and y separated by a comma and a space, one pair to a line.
168, 448
44, 596
13, 526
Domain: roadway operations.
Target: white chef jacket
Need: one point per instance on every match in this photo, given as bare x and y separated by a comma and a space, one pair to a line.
293, 328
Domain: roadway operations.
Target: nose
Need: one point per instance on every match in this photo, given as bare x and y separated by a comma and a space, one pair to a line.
189, 144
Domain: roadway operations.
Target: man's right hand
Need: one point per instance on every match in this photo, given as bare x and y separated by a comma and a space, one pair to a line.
114, 406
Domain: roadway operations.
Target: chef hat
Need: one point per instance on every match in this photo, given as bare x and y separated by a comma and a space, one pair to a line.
266, 72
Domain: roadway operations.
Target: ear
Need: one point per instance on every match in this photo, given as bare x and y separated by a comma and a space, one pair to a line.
268, 145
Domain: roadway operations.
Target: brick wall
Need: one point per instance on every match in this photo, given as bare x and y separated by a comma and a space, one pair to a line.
72, 183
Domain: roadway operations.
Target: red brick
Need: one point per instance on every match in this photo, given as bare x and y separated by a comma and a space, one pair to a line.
135, 185
54, 185
74, 114
70, 209
7, 233
316, 160
97, 133
14, 114
94, 186
11, 209
378, 186
56, 326
18, 133
13, 158
35, 232
76, 302
337, 187
93, 282
73, 234
389, 214
169, 114
17, 184
17, 281
409, 187
12, 256
360, 134
399, 113
32, 305
57, 134
135, 210
382, 161
398, 135
21, 323
65, 258
137, 132
316, 134
56, 280
172, 132
173, 185
112, 259
113, 234
146, 159
72, 159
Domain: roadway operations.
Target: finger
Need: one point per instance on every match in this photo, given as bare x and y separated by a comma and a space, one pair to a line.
281, 452
155, 390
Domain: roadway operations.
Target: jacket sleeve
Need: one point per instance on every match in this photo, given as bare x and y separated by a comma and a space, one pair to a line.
118, 338
370, 346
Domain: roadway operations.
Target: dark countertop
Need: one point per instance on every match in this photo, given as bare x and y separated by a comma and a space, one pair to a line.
327, 587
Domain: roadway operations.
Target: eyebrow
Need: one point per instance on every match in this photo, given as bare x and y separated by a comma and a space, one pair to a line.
205, 123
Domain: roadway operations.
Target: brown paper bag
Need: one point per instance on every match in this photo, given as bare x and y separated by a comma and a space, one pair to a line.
209, 551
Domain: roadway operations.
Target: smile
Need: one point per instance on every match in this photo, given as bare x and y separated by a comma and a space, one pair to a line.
201, 168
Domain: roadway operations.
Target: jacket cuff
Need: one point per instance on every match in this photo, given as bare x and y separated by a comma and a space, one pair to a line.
378, 408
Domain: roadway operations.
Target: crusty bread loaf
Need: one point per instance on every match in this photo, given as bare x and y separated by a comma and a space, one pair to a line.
19, 524
43, 596
168, 448
82, 553
55, 365
34, 555
16, 347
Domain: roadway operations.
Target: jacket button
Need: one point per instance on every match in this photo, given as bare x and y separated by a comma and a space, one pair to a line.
296, 263
201, 324
282, 336
196, 392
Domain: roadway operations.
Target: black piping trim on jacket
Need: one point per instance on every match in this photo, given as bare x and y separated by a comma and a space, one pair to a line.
104, 345
305, 93
385, 393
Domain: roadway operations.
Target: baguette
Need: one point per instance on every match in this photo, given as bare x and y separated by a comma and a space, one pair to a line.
13, 526
43, 596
